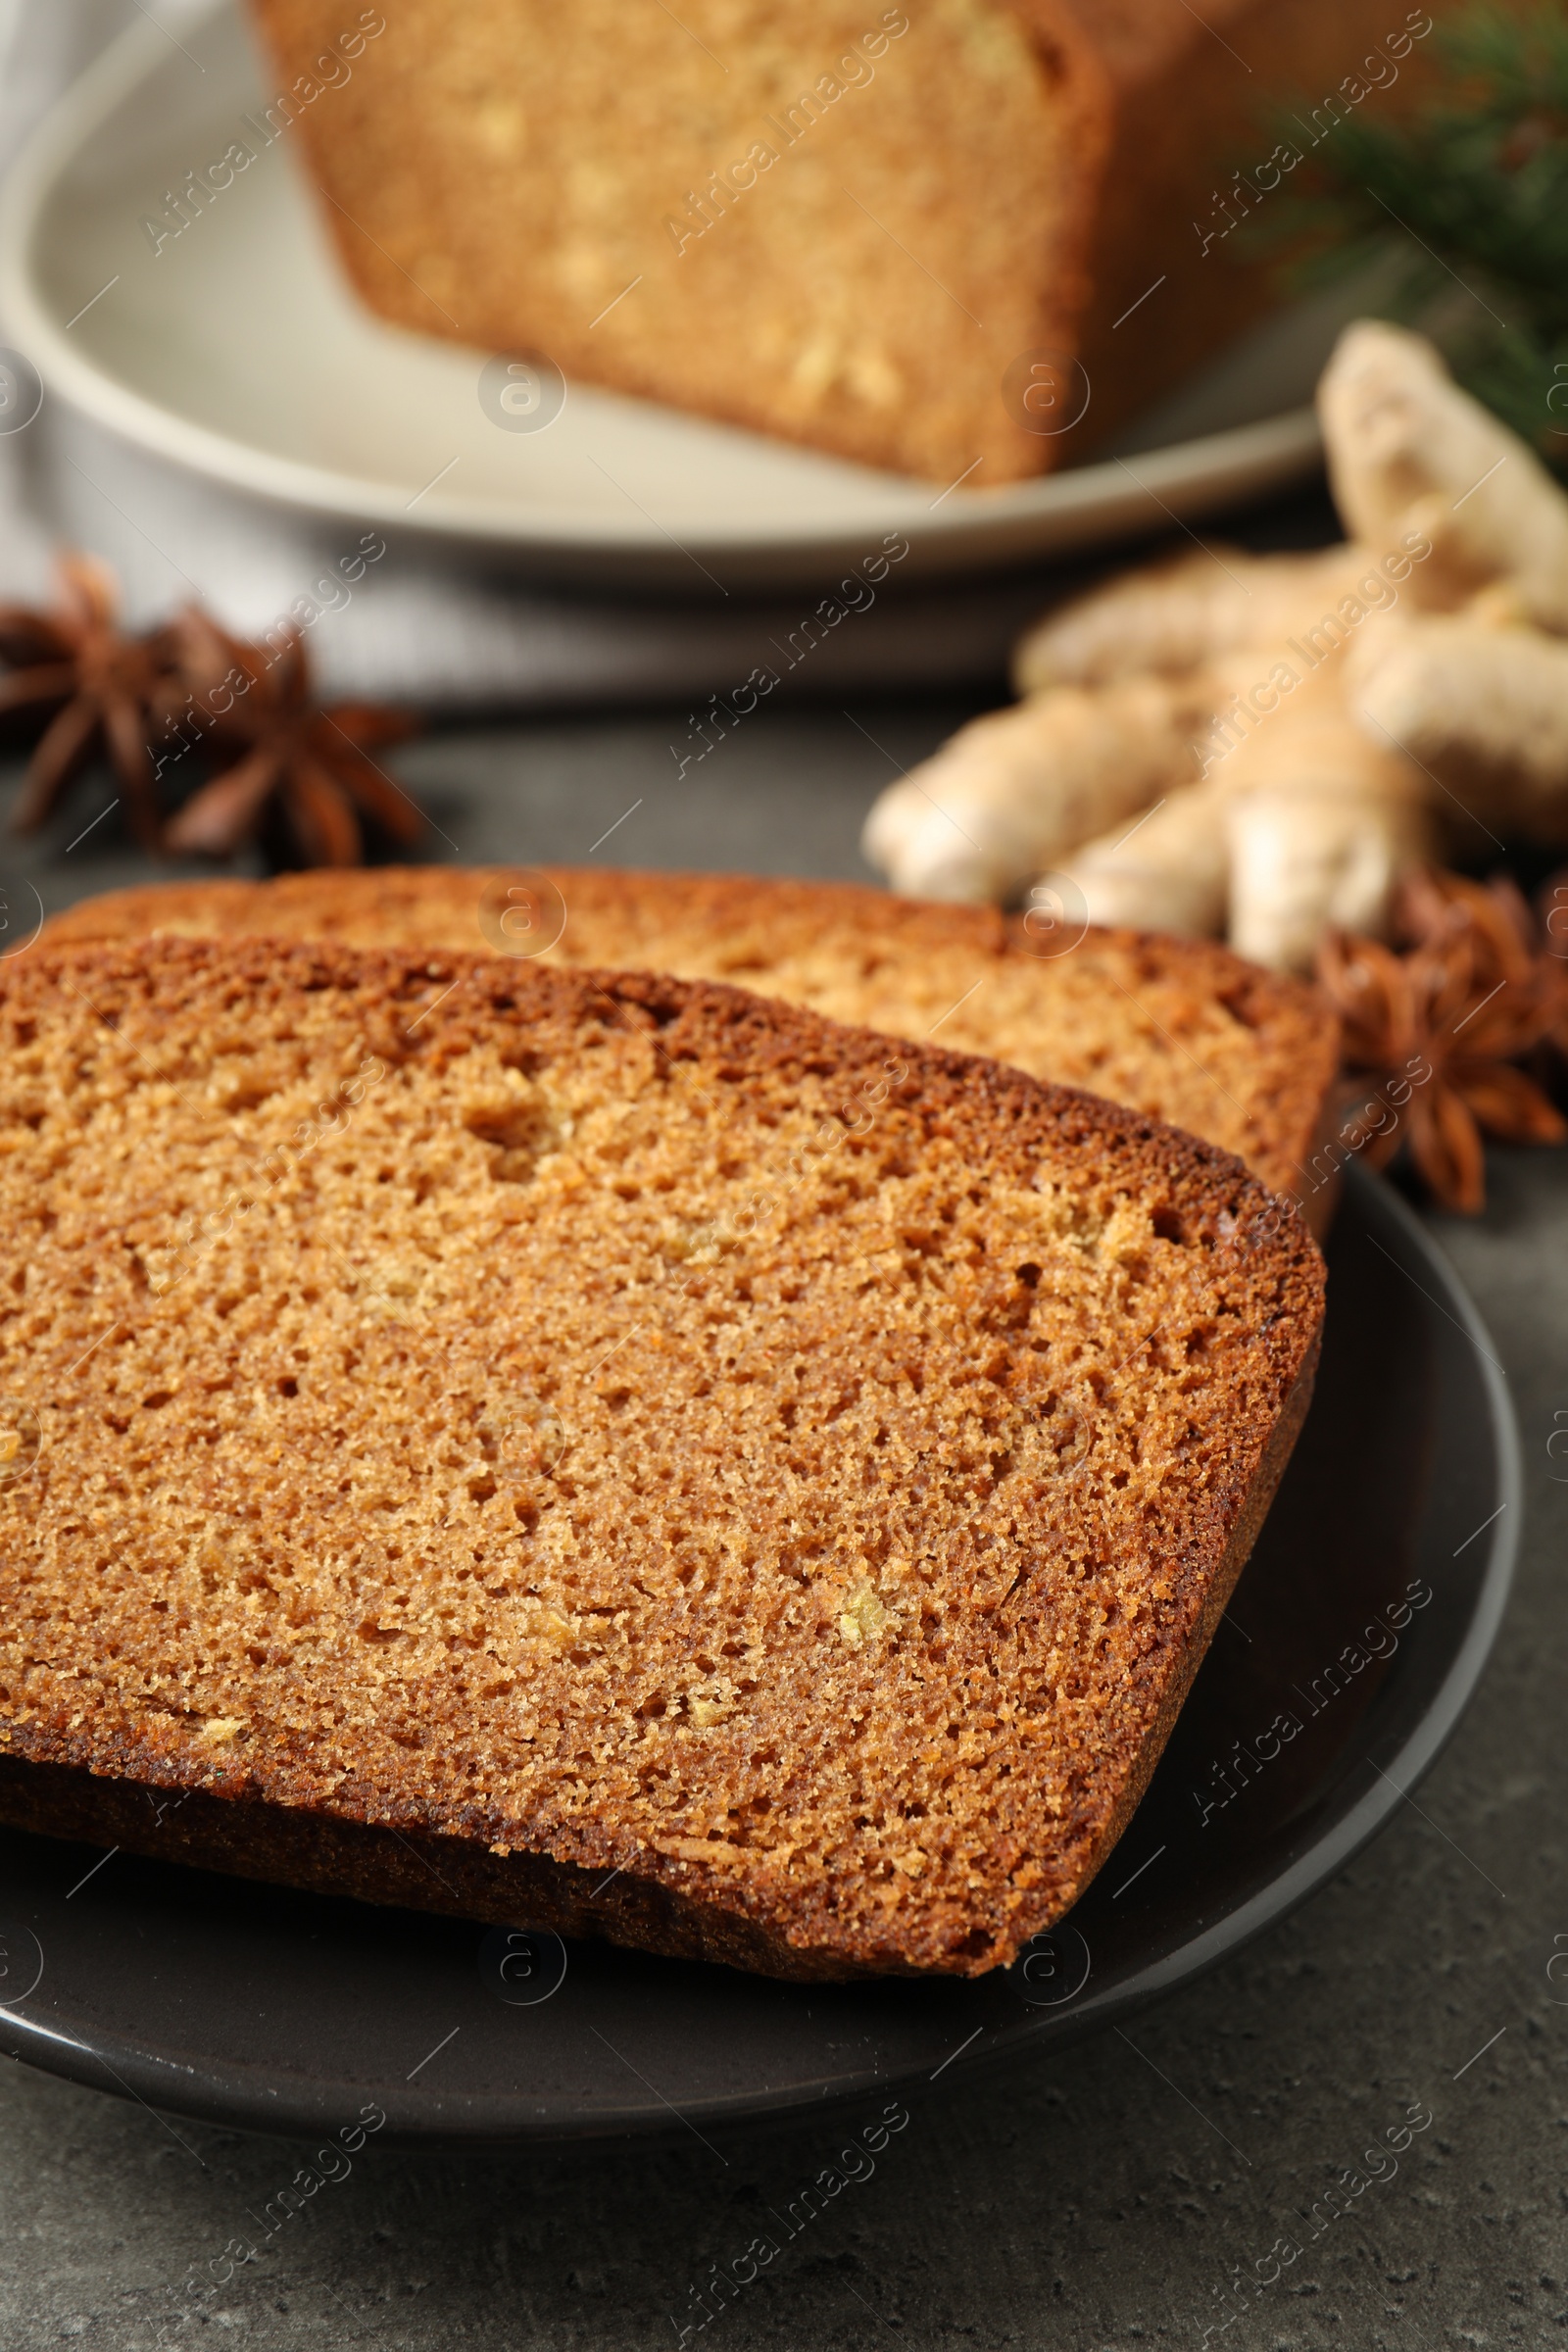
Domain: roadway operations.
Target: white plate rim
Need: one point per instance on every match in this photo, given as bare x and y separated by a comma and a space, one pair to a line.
1101, 502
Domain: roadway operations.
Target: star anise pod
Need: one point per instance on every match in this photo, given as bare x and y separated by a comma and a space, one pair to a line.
311, 764
90, 686
1431, 1036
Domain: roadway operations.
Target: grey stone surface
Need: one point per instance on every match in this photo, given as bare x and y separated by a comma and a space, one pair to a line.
1095, 2203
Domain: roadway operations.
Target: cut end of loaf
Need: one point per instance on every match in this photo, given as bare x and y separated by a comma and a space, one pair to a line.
839, 227
600, 1424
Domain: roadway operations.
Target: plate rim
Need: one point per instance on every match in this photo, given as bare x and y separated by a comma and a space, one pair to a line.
235, 2097
1099, 503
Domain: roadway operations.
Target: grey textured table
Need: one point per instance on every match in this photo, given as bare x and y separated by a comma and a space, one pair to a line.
1101, 2201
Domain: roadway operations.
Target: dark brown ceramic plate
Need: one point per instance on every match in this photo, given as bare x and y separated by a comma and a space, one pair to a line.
1363, 1621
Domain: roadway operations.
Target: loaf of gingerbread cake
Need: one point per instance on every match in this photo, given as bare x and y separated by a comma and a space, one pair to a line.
607, 1453
1178, 1028
951, 237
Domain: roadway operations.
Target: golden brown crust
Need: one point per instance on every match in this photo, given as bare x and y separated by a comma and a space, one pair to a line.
291, 1845
1181, 1029
641, 1428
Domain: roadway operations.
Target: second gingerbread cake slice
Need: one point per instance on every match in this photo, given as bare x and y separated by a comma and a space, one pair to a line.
1179, 1029
608, 1453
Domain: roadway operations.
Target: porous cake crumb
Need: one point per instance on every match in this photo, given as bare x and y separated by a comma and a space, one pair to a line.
501, 1426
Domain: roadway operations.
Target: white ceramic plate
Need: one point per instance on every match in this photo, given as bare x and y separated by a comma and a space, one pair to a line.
239, 350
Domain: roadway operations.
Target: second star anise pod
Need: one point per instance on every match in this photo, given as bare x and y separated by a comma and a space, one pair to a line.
282, 752
90, 686
1431, 1036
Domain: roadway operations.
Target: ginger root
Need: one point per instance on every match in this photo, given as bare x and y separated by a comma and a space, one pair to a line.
1305, 823
1316, 854
1264, 744
1312, 852
1320, 822
1484, 708
1408, 450
1166, 871
1176, 615
1013, 792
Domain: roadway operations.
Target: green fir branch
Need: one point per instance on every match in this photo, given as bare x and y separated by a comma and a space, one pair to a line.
1464, 202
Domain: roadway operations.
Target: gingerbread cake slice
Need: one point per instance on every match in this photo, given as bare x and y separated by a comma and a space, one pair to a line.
474, 1429
1180, 1028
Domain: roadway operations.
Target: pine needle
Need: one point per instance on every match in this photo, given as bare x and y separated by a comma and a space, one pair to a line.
1465, 202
